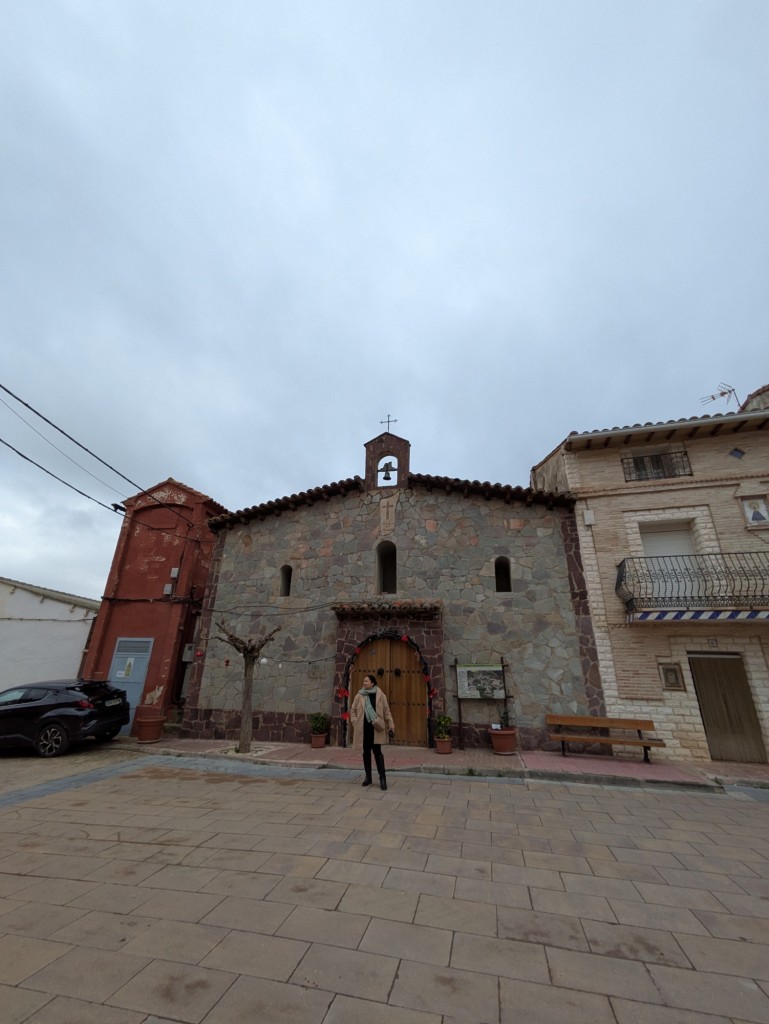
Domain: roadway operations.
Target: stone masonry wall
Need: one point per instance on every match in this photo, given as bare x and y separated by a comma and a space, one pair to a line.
446, 547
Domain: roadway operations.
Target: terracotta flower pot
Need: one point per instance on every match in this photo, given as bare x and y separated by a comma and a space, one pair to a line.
443, 746
504, 741
318, 739
148, 723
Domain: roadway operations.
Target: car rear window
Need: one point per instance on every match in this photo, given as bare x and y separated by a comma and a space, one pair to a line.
93, 689
96, 689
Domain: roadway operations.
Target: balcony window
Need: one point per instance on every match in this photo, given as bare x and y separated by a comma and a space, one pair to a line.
656, 467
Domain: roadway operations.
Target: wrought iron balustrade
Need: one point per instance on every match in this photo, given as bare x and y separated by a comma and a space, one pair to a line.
656, 467
738, 580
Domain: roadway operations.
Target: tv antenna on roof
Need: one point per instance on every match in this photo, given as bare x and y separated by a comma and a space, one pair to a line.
724, 391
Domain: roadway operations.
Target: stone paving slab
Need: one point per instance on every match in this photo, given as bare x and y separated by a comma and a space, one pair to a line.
137, 891
628, 769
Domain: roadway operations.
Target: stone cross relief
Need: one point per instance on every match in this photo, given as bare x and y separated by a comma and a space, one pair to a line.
387, 505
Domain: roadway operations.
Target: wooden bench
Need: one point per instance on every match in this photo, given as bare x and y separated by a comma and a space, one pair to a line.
584, 722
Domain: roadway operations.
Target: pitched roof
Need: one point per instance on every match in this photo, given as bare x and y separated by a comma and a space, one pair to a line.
669, 430
758, 399
487, 490
170, 481
465, 488
289, 503
53, 595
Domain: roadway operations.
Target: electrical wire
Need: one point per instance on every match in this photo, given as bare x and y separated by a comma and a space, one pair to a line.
117, 472
69, 622
61, 450
273, 610
71, 486
117, 509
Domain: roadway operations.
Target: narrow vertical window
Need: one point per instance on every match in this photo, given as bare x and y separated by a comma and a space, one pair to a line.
285, 580
386, 568
502, 575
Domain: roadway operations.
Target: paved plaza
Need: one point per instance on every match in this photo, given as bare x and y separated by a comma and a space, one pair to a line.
139, 889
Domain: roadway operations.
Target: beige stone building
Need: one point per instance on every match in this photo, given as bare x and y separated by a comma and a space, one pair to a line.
673, 521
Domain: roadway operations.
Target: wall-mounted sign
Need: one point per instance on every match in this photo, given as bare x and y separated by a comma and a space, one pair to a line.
483, 682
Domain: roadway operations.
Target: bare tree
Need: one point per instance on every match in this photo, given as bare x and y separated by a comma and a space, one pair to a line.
249, 649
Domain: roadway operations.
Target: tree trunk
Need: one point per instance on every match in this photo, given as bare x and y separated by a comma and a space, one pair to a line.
246, 708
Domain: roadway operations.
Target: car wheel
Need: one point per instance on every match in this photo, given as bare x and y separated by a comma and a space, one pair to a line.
105, 737
52, 740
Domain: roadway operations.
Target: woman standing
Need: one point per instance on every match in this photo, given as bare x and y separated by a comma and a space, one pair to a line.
373, 725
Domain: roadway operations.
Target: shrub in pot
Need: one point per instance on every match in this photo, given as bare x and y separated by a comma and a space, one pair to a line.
504, 739
319, 726
443, 734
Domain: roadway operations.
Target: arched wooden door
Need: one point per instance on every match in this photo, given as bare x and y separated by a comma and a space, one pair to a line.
401, 680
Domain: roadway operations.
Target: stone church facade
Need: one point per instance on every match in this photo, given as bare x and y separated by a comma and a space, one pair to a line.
439, 587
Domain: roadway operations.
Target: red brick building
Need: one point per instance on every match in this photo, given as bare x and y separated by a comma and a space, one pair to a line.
144, 635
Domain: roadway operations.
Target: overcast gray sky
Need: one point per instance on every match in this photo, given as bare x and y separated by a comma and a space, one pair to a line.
235, 235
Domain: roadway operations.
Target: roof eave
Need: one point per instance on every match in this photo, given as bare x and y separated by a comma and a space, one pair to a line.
672, 430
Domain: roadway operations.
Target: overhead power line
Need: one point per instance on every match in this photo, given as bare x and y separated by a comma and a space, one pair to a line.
71, 486
118, 509
60, 450
117, 472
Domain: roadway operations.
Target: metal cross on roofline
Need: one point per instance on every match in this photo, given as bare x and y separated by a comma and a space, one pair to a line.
389, 421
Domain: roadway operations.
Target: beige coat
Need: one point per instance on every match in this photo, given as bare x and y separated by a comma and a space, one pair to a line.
357, 714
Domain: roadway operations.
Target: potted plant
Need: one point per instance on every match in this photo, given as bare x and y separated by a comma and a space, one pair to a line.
443, 734
319, 726
503, 739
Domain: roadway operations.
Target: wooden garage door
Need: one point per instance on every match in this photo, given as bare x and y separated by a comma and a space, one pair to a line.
728, 712
401, 680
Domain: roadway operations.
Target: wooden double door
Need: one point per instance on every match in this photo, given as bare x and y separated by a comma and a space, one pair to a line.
397, 669
726, 704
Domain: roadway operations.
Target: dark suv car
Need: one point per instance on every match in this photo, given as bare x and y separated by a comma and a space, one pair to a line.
49, 716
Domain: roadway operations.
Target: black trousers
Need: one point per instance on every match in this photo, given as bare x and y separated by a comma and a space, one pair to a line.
376, 748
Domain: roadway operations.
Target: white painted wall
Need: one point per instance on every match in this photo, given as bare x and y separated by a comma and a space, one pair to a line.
42, 635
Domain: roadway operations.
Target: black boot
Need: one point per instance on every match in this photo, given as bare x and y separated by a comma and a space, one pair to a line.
380, 766
366, 766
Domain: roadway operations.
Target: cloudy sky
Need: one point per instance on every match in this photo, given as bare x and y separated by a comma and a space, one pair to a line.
236, 235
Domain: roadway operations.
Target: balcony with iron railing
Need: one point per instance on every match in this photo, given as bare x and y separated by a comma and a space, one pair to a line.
728, 581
